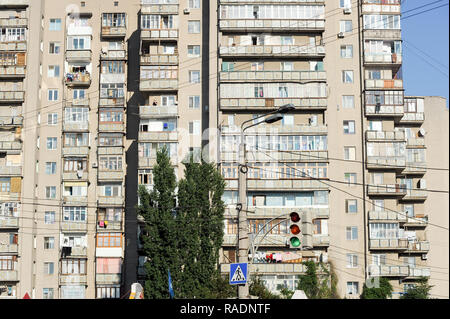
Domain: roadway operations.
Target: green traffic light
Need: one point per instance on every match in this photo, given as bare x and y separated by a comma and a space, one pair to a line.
295, 242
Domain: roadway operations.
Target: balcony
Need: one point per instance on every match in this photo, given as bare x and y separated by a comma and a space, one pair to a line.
269, 156
73, 279
384, 110
69, 226
110, 176
12, 96
388, 244
158, 136
385, 8
300, 129
419, 247
13, 45
148, 162
416, 221
383, 84
278, 185
159, 34
272, 50
110, 201
15, 22
159, 59
77, 79
78, 102
118, 150
415, 142
268, 241
14, 3
75, 200
75, 176
81, 151
416, 273
272, 269
147, 111
277, 76
321, 240
113, 78
250, 104
76, 127
112, 102
114, 55
385, 136
387, 162
112, 127
385, 35
272, 212
415, 168
386, 190
271, 25
165, 7
78, 56
388, 271
114, 32
10, 147
383, 59
12, 71
78, 251
9, 248
110, 226
387, 216
9, 197
11, 121
7, 222
10, 170
158, 85
108, 279
109, 252
412, 118
415, 195
9, 275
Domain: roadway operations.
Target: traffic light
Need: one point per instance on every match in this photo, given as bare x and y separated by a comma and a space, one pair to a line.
295, 236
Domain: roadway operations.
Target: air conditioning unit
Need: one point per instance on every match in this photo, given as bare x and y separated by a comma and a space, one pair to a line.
187, 11
79, 174
347, 10
422, 184
422, 132
424, 257
340, 34
94, 165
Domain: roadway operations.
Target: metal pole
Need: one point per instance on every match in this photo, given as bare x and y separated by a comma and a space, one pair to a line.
243, 290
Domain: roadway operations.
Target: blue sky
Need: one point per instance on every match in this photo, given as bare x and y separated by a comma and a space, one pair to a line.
426, 32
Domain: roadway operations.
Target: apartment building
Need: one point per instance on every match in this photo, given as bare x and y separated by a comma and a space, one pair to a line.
90, 90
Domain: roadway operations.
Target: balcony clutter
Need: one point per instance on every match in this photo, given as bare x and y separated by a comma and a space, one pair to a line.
285, 257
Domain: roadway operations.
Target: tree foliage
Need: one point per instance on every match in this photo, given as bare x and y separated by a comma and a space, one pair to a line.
420, 291
384, 290
318, 286
258, 289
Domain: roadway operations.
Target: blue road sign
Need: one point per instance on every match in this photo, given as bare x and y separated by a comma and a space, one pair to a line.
238, 273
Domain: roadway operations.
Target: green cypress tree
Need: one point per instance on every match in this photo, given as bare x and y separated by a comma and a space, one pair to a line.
160, 243
382, 292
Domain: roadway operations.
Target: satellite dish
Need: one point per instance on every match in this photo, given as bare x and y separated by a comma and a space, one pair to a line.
422, 132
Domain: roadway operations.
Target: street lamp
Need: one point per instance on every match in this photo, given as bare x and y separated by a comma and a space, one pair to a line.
243, 242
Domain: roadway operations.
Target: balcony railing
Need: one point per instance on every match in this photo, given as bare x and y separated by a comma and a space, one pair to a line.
76, 127
76, 151
158, 136
386, 162
414, 142
12, 71
415, 194
158, 84
384, 110
418, 247
111, 127
78, 79
108, 279
415, 272
109, 226
70, 226
272, 212
147, 111
159, 34
255, 76
412, 118
380, 8
75, 200
9, 248
415, 168
110, 176
13, 46
8, 275
78, 55
12, 96
321, 240
275, 268
395, 136
75, 176
159, 59
16, 22
9, 222
267, 103
112, 150
164, 7
389, 271
14, 3
110, 200
10, 170
114, 55
391, 189
297, 129
273, 50
12, 121
383, 58
417, 221
388, 244
114, 32
383, 84
112, 102
279, 25
269, 156
307, 184
387, 216
73, 279
10, 146
385, 35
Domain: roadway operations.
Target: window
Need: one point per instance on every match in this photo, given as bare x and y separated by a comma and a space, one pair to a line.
53, 71
352, 233
113, 67
5, 185
287, 120
111, 116
227, 66
47, 293
347, 51
194, 4
194, 76
109, 265
352, 288
194, 128
75, 165
350, 178
49, 242
49, 268
351, 206
55, 25
73, 266
78, 94
112, 190
53, 95
381, 21
352, 260
50, 168
108, 292
349, 127
349, 153
347, 76
345, 26
110, 214
50, 192
75, 189
287, 66
114, 20
193, 50
54, 48
112, 90
383, 230
75, 214
76, 139
193, 26
110, 163
194, 102
346, 4
52, 119
379, 259
49, 217
348, 101
109, 240
257, 66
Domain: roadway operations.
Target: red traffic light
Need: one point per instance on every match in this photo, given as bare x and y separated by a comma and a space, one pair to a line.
295, 230
295, 217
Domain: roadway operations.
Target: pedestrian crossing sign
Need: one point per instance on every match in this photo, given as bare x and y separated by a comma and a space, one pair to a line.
238, 273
